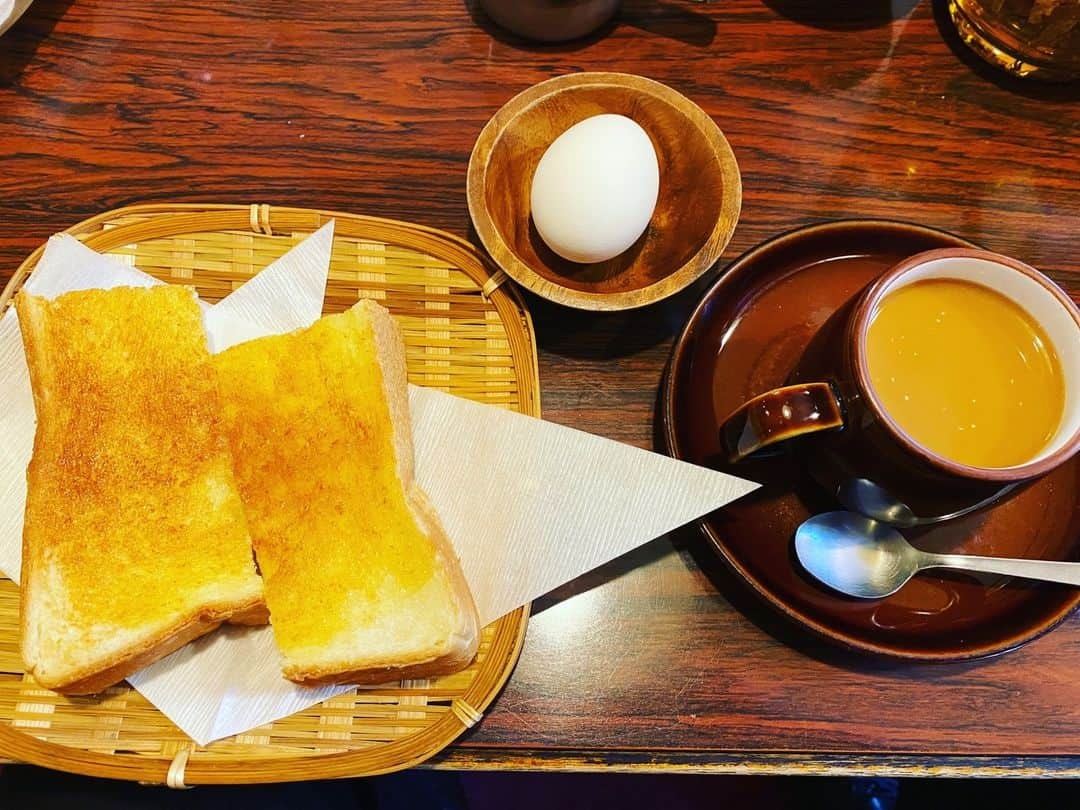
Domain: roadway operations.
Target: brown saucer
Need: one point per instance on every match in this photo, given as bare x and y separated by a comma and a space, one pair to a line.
744, 338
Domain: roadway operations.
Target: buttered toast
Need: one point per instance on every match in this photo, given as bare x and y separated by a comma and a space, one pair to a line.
361, 581
135, 540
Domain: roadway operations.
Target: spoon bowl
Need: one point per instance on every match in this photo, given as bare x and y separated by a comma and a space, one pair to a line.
865, 558
855, 555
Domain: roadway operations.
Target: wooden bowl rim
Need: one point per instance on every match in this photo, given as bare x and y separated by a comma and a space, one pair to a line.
680, 278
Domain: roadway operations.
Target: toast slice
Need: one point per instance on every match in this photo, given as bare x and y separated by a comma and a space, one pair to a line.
135, 540
362, 584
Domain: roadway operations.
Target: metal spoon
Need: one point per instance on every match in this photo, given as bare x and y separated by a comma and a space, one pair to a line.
862, 557
867, 498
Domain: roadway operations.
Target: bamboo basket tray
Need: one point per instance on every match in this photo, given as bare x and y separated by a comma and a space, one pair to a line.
464, 334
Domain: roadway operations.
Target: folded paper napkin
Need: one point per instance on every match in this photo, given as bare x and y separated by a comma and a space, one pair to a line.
523, 522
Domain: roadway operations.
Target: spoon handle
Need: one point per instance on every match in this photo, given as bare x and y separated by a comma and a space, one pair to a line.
1067, 573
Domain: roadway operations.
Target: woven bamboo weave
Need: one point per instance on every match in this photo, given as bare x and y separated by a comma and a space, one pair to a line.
465, 333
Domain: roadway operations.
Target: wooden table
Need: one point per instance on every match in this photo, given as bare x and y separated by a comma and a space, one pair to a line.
660, 660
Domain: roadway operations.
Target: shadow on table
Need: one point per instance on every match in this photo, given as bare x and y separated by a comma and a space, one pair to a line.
20, 43
1028, 88
671, 20
845, 15
588, 335
675, 20
608, 572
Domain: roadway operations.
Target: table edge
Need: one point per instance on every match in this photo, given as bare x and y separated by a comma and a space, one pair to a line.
772, 763
757, 763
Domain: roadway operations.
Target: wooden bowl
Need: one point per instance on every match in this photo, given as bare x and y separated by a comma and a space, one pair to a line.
699, 202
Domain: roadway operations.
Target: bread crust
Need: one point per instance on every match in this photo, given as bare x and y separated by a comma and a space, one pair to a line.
361, 580
88, 670
90, 680
390, 353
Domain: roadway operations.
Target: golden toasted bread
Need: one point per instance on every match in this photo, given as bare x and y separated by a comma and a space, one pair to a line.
135, 540
361, 581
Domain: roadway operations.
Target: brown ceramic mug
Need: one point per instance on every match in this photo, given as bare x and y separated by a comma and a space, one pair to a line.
832, 414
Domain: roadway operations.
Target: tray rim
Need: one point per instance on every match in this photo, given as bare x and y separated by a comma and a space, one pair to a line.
180, 218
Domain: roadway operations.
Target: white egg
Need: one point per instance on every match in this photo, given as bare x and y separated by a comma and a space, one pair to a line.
595, 189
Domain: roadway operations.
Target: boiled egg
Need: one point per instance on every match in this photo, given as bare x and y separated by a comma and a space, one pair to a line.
595, 189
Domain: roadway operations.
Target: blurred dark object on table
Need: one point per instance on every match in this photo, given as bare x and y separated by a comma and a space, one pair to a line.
565, 20
550, 20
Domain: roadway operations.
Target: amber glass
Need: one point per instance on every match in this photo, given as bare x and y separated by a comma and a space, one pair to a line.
1037, 38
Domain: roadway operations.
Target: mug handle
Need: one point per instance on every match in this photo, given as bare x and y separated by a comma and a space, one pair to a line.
779, 415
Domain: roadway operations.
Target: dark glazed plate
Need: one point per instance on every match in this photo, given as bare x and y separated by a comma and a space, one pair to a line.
745, 337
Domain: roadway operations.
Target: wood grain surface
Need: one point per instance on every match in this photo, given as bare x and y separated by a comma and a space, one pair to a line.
833, 110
